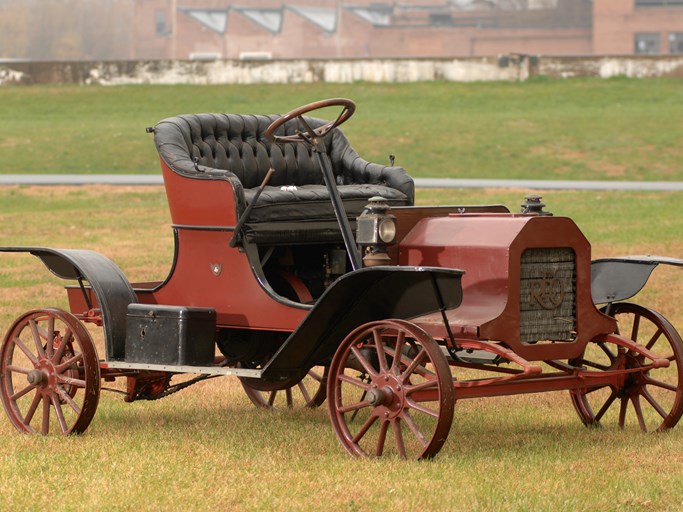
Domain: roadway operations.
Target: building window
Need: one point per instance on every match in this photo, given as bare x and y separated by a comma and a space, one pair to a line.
160, 22
647, 43
659, 3
676, 42
440, 19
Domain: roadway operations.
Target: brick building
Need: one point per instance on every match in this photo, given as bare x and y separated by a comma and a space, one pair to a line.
637, 26
324, 29
361, 28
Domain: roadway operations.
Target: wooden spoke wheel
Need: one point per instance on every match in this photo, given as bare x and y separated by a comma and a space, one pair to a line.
309, 392
49, 373
650, 400
390, 391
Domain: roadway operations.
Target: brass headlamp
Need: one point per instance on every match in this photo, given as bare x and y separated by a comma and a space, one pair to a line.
375, 229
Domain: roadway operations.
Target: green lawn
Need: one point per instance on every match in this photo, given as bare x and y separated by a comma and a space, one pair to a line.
623, 129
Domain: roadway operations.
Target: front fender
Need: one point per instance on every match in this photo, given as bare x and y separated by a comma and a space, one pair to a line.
620, 278
359, 297
113, 291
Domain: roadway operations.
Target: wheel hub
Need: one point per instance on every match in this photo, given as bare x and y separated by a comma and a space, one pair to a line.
387, 395
379, 396
36, 377
43, 375
633, 382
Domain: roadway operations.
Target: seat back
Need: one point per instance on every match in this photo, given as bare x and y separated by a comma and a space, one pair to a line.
197, 143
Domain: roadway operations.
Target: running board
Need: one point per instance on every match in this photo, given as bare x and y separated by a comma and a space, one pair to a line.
201, 370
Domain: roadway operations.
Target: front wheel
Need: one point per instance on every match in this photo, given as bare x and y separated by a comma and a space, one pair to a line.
390, 390
49, 373
651, 400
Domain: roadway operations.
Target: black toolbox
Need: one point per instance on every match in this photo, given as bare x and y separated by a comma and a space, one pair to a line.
170, 335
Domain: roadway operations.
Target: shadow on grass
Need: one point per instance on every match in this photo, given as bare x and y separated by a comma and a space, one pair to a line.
190, 413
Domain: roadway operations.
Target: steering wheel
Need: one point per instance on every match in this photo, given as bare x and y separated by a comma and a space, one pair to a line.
310, 134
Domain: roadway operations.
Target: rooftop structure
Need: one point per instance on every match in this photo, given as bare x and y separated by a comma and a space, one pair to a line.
324, 29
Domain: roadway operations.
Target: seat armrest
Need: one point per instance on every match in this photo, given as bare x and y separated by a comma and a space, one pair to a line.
391, 176
185, 167
351, 169
210, 173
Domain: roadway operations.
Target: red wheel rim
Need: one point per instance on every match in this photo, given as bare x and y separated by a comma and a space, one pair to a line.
49, 373
651, 400
390, 391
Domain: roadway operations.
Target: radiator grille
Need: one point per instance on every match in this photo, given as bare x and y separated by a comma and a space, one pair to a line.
548, 295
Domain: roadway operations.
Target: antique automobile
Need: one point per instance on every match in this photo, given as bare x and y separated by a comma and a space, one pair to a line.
309, 274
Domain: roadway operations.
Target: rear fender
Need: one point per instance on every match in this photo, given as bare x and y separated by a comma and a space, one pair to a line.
620, 278
111, 288
362, 296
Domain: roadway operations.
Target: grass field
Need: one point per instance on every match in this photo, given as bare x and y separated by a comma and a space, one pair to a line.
207, 447
621, 129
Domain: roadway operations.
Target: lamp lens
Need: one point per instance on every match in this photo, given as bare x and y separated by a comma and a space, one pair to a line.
387, 230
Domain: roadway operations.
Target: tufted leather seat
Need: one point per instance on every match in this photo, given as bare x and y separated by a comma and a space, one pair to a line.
296, 203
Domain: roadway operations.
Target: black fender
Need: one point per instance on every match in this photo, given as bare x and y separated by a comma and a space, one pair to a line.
113, 291
359, 297
620, 278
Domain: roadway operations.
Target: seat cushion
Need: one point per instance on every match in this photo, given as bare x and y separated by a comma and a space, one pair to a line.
313, 203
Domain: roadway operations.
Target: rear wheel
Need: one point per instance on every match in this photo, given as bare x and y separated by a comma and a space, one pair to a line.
49, 373
309, 392
390, 390
649, 400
